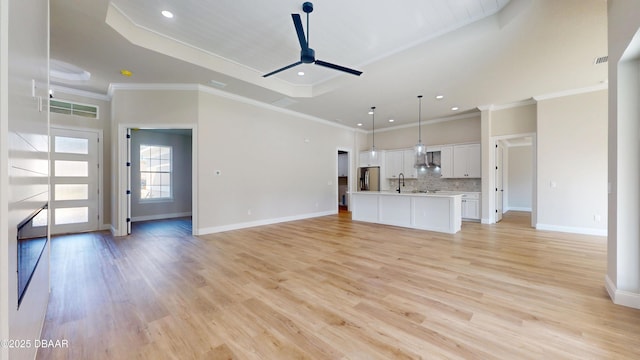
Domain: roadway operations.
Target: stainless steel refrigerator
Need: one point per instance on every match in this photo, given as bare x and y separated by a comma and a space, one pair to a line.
370, 178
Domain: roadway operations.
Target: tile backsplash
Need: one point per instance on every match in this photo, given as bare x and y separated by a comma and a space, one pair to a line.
429, 181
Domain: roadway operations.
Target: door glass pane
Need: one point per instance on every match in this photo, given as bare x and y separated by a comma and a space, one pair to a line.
71, 145
71, 192
71, 168
40, 219
72, 215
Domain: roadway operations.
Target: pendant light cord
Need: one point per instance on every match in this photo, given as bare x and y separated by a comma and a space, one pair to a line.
419, 118
373, 121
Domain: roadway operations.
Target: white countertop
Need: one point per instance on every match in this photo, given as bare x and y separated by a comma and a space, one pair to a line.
409, 193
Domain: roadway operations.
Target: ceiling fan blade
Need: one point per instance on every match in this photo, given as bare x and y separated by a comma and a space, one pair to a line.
338, 67
283, 69
297, 22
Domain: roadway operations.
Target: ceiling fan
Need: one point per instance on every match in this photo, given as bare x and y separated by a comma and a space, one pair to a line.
307, 54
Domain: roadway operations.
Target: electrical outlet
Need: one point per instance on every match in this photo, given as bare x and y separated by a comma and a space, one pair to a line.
249, 212
597, 218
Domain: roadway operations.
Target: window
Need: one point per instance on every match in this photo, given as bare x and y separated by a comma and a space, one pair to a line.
69, 108
155, 172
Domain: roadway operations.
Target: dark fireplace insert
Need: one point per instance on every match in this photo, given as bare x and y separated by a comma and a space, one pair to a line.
32, 239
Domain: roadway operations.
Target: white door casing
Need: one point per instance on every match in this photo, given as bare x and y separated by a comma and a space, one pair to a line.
499, 181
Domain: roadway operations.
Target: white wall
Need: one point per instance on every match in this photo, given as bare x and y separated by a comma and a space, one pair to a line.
519, 178
458, 131
180, 205
623, 249
274, 165
572, 163
514, 120
24, 162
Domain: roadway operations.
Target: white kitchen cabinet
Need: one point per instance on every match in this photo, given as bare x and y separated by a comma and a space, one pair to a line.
409, 164
433, 212
466, 161
343, 165
366, 160
471, 206
446, 161
394, 163
400, 161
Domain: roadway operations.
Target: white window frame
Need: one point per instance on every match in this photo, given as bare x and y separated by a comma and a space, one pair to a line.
161, 199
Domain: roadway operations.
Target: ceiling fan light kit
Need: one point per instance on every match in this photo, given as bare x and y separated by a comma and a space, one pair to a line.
307, 54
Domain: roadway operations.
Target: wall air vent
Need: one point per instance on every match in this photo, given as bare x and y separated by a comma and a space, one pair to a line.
601, 60
69, 108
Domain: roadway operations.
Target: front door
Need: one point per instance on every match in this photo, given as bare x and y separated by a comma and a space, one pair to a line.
74, 181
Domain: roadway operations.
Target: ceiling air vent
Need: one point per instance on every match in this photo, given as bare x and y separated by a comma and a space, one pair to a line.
601, 60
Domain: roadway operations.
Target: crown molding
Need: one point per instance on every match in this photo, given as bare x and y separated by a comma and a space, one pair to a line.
578, 91
82, 93
209, 90
494, 107
427, 122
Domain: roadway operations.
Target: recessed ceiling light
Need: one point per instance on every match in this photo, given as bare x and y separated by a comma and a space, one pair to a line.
359, 124
300, 73
455, 108
391, 120
439, 97
168, 14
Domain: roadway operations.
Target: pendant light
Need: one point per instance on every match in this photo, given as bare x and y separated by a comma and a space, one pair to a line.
420, 149
374, 154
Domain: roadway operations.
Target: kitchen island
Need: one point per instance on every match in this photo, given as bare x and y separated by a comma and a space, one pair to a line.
425, 211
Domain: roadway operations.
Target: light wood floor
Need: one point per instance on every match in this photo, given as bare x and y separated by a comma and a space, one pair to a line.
330, 288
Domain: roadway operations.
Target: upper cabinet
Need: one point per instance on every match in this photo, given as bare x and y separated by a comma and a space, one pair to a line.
367, 160
466, 161
456, 161
409, 162
393, 162
400, 161
446, 161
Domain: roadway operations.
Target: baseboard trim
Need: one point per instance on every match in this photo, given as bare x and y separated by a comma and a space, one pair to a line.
619, 297
574, 230
237, 226
516, 208
160, 216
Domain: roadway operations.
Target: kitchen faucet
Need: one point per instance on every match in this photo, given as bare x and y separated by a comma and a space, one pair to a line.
401, 175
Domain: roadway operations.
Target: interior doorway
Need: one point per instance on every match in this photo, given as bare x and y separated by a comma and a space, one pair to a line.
344, 159
515, 176
158, 175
